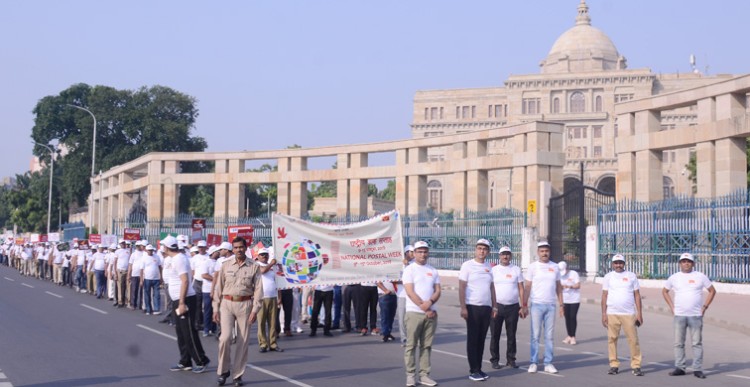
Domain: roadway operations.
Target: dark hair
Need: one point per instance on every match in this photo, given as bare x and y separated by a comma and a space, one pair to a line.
239, 239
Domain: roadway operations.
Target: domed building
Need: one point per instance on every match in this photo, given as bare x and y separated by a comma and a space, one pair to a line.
579, 83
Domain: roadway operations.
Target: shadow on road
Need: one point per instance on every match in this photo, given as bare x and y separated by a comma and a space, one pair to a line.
100, 380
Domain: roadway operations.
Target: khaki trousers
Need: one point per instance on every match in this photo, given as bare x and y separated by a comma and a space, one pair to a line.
90, 285
57, 273
229, 312
420, 330
267, 317
627, 323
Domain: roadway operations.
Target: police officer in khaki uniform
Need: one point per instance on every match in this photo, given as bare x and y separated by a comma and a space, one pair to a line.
238, 294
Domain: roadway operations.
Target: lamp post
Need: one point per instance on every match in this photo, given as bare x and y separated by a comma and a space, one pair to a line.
51, 173
93, 161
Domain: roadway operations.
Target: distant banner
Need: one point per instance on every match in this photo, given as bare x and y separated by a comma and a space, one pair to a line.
213, 239
131, 234
325, 254
245, 231
53, 237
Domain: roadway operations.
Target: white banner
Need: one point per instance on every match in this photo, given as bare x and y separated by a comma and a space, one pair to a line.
53, 237
325, 254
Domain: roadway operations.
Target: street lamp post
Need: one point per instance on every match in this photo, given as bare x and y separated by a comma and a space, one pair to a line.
93, 163
51, 173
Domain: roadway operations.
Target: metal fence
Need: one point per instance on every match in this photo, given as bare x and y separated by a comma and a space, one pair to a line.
451, 237
652, 236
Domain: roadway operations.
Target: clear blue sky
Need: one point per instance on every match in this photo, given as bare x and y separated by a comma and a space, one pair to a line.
271, 73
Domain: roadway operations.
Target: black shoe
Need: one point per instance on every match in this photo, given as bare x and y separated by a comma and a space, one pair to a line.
485, 376
335, 327
613, 371
677, 372
328, 334
699, 374
511, 364
390, 337
115, 304
312, 333
223, 378
637, 372
180, 367
496, 365
238, 382
263, 350
277, 349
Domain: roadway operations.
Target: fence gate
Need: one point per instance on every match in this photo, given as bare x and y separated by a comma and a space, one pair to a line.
570, 213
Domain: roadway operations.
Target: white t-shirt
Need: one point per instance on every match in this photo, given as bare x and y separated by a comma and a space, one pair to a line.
81, 257
424, 277
135, 256
137, 266
41, 254
571, 296
324, 288
206, 266
269, 282
478, 277
123, 259
620, 288
400, 291
100, 261
544, 278
174, 267
688, 292
151, 266
58, 257
388, 285
506, 280
66, 260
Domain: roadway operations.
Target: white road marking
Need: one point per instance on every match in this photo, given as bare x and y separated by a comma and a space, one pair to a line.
6, 384
94, 309
739, 376
563, 349
593, 353
10, 279
27, 285
55, 295
278, 376
659, 364
152, 330
485, 361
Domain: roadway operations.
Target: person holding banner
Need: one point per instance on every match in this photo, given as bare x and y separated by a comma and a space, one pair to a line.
422, 285
401, 294
238, 292
268, 316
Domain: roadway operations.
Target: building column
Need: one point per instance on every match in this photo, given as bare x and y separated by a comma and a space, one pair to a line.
730, 105
649, 180
154, 202
731, 165
458, 181
477, 188
402, 186
235, 190
169, 191
705, 164
417, 194
298, 189
282, 198
625, 180
358, 197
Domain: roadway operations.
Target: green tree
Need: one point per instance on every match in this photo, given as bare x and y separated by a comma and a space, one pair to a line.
261, 196
202, 203
389, 192
130, 123
27, 202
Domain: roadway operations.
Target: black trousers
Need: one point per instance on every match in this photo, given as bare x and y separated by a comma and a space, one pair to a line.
287, 304
191, 349
325, 299
367, 304
571, 318
350, 296
508, 315
198, 288
477, 325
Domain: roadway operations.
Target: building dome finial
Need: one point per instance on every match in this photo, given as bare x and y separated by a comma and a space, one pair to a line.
583, 14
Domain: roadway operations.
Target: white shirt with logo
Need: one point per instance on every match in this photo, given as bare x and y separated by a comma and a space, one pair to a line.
99, 261
123, 259
620, 289
688, 292
478, 277
506, 280
174, 267
151, 265
424, 278
206, 266
544, 278
269, 281
571, 296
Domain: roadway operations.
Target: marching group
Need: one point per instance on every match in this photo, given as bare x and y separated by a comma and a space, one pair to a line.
222, 290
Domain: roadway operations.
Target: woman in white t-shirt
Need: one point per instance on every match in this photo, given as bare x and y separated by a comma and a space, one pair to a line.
571, 291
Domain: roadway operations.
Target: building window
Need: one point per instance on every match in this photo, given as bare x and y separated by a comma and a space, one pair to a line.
598, 104
623, 97
668, 188
577, 102
498, 110
489, 111
433, 113
426, 111
597, 151
473, 112
577, 132
435, 195
531, 106
433, 134
465, 112
556, 105
458, 112
597, 131
441, 112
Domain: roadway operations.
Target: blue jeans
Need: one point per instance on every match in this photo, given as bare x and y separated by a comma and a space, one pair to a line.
387, 313
80, 278
542, 317
151, 286
336, 306
208, 314
101, 282
681, 324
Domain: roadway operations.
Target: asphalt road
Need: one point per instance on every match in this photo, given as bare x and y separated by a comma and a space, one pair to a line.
52, 336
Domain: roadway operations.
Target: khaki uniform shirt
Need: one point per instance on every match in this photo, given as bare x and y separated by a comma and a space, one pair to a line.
234, 279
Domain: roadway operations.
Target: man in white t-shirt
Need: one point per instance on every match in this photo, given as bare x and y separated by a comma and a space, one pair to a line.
688, 309
544, 290
151, 267
621, 308
122, 263
268, 315
509, 292
99, 266
477, 298
422, 285
205, 269
401, 294
134, 275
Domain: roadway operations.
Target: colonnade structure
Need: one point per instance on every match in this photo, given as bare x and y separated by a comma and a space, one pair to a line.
718, 139
535, 159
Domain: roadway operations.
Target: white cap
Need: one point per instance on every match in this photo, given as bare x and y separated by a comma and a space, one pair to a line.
542, 244
263, 251
505, 249
169, 242
194, 249
563, 267
113, 247
121, 241
137, 243
618, 258
421, 244
225, 246
182, 237
75, 245
201, 244
150, 247
687, 256
408, 248
93, 245
144, 242
212, 250
483, 241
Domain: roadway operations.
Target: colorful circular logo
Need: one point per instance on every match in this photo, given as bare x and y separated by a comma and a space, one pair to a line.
302, 261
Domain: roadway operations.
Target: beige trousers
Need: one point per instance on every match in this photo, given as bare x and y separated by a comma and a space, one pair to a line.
229, 312
626, 322
267, 317
420, 331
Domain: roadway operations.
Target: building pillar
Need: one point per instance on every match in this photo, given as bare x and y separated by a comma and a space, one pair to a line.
402, 188
154, 202
705, 164
477, 188
358, 197
649, 181
171, 201
730, 105
282, 198
731, 165
625, 180
221, 200
458, 181
417, 194
298, 199
235, 191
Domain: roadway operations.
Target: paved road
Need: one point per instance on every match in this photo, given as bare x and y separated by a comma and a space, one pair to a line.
51, 336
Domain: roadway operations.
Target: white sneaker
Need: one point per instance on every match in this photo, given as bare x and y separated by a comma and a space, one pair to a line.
298, 330
572, 341
532, 368
566, 340
550, 369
